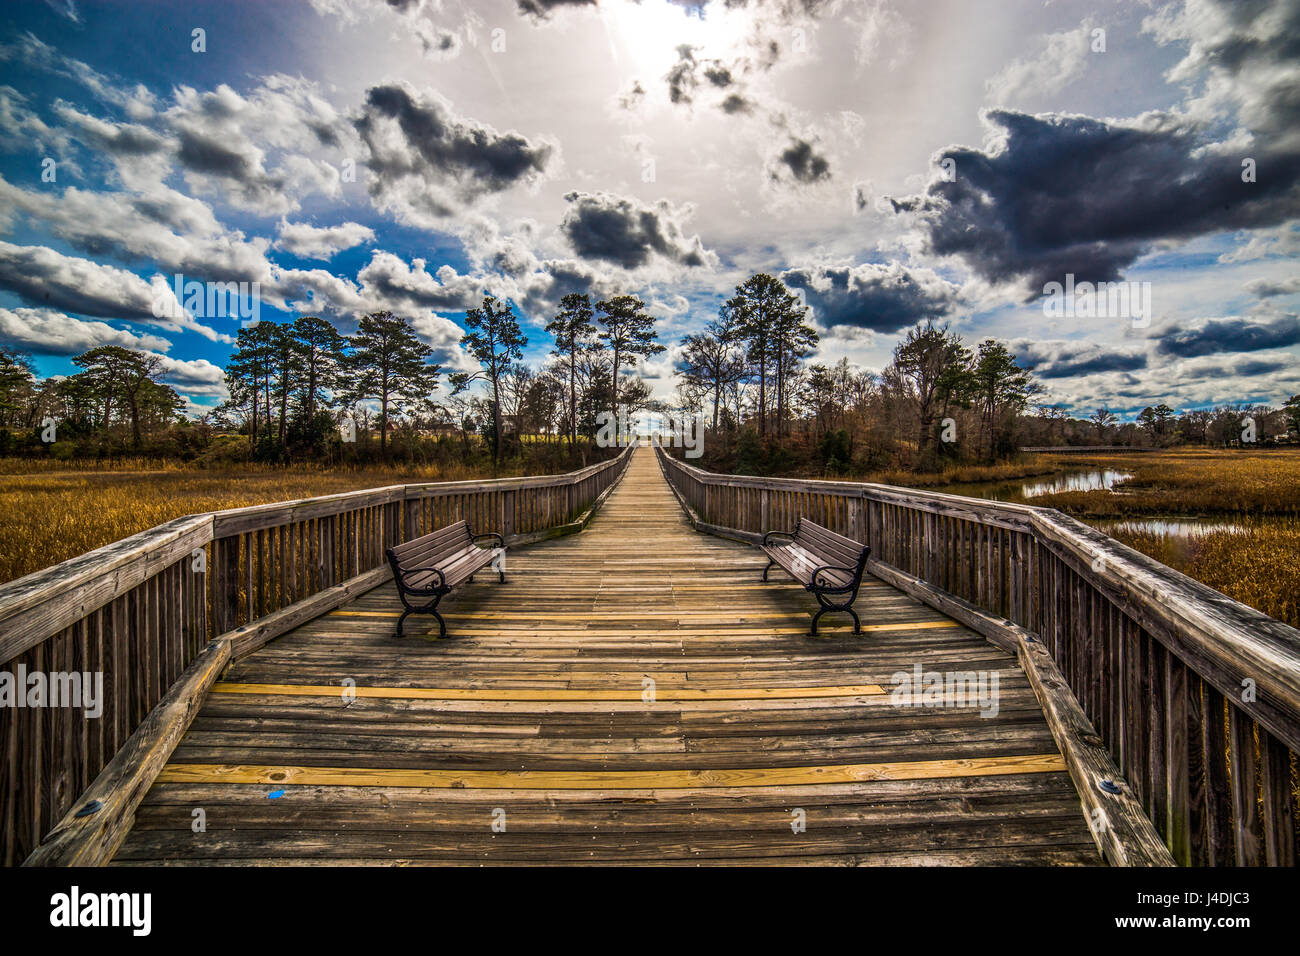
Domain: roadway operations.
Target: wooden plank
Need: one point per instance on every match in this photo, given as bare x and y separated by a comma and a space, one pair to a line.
608, 779
636, 693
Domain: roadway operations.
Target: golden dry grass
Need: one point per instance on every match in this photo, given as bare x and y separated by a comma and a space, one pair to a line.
1029, 467
50, 512
1202, 482
1258, 566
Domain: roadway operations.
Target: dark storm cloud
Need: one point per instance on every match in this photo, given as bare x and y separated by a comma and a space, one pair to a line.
44, 277
1068, 359
202, 154
718, 75
1230, 335
883, 298
681, 79
622, 231
441, 149
1066, 193
1261, 366
1268, 289
115, 139
688, 74
1081, 195
541, 9
735, 103
805, 164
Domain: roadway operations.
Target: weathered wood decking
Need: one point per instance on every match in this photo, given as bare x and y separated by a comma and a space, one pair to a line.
527, 736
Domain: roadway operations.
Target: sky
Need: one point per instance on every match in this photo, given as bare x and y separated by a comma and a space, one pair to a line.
893, 163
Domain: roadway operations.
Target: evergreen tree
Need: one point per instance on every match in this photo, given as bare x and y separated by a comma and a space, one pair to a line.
628, 332
768, 318
389, 365
496, 341
573, 331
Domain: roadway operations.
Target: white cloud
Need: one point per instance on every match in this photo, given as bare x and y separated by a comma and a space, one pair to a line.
50, 332
311, 242
1062, 60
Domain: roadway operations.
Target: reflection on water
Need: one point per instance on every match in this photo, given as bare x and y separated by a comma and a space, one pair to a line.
1170, 527
1080, 481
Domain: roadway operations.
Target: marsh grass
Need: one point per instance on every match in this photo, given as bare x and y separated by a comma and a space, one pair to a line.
1181, 482
1258, 566
50, 512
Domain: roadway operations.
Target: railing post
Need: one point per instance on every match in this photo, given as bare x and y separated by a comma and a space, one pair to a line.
411, 518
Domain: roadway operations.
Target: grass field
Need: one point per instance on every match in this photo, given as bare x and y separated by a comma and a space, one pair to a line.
1257, 563
50, 511
1182, 482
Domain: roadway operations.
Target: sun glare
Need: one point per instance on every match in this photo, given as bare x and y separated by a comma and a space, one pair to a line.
645, 36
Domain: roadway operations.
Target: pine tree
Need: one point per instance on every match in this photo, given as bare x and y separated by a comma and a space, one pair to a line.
770, 320
573, 331
496, 341
629, 332
390, 365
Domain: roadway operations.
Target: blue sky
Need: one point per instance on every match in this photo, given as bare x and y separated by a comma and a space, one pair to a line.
351, 155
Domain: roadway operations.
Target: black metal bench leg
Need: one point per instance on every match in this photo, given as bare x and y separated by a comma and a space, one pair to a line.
442, 625
814, 620
827, 607
402, 619
770, 565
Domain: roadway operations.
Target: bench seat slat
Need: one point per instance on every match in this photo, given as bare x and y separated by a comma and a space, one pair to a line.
413, 551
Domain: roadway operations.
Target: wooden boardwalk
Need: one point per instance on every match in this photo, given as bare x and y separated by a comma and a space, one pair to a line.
632, 695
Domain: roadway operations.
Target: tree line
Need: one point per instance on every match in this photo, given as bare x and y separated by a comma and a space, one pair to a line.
301, 389
937, 401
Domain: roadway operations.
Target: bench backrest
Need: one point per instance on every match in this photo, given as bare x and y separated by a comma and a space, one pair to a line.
429, 549
835, 548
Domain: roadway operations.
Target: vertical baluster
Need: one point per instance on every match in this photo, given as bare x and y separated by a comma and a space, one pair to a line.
1214, 751
1279, 816
1247, 833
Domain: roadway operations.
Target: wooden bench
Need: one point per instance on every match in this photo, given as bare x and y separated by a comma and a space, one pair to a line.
428, 567
827, 564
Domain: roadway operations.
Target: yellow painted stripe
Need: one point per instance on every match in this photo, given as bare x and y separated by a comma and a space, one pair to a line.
610, 779
687, 616
584, 615
472, 693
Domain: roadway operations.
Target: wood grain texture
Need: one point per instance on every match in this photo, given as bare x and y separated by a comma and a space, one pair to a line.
632, 695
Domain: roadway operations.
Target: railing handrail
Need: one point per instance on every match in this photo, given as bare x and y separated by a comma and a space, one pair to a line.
1228, 639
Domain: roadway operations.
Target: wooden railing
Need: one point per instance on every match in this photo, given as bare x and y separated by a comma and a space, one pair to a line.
1193, 696
154, 610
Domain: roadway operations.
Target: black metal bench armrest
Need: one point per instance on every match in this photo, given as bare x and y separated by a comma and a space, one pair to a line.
851, 572
406, 572
784, 534
501, 542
